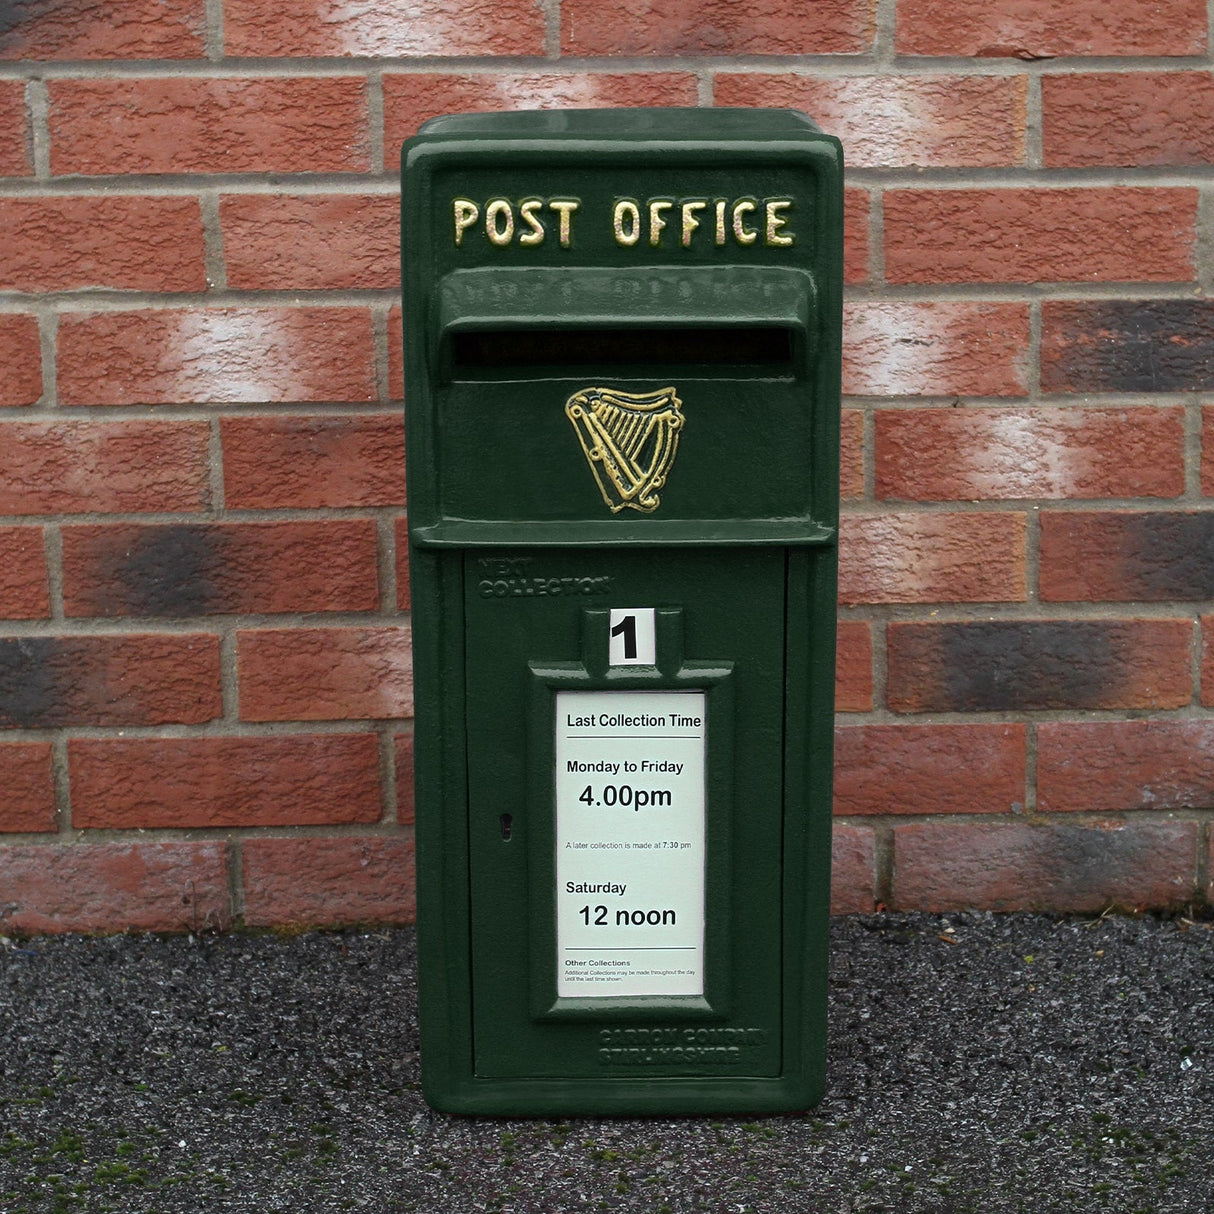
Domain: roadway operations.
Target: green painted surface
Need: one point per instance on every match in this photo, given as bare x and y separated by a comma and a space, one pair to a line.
622, 340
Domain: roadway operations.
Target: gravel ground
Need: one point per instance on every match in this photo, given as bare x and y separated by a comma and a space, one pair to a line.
977, 1063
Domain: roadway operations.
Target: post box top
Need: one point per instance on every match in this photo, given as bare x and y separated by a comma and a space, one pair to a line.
578, 284
664, 125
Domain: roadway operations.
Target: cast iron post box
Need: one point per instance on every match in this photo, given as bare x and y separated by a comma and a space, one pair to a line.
622, 346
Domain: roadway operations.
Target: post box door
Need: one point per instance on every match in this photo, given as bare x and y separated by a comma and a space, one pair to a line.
537, 631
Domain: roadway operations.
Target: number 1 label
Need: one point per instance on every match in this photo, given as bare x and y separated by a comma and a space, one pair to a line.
632, 639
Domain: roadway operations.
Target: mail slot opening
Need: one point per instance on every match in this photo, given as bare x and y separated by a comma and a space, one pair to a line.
706, 345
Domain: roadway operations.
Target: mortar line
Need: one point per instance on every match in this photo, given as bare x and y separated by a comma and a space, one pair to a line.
214, 262
214, 30
387, 776
1194, 410
1033, 124
1032, 555
1030, 768
37, 102
1195, 660
381, 352
377, 132
820, 66
876, 236
884, 861
229, 676
62, 786
386, 180
1203, 243
235, 853
48, 339
884, 51
53, 547
385, 540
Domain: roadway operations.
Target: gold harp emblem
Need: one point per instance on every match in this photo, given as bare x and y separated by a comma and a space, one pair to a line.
630, 440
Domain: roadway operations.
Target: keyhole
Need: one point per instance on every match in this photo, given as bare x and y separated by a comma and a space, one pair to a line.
507, 826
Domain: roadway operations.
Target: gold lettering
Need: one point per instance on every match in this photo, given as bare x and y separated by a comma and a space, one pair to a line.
690, 222
656, 222
775, 221
564, 207
743, 234
499, 234
527, 213
626, 222
720, 233
465, 213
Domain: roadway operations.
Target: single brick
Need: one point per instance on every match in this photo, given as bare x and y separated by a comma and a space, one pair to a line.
16, 143
1067, 867
103, 467
316, 882
287, 780
1124, 345
1116, 765
851, 455
929, 769
856, 209
898, 121
131, 679
389, 30
112, 887
24, 585
404, 598
1131, 119
83, 29
124, 243
409, 100
311, 242
1035, 235
193, 124
312, 462
1027, 29
781, 27
225, 355
325, 674
990, 454
932, 558
961, 348
853, 666
27, 792
20, 359
405, 804
192, 569
853, 870
1026, 665
1123, 556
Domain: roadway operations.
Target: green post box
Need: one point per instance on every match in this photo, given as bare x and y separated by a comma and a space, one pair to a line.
622, 346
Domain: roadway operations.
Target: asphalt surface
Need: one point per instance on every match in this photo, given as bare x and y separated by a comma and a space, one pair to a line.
977, 1063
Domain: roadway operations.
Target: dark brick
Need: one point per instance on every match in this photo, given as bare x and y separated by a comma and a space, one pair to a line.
1005, 866
1160, 345
1026, 665
1121, 556
52, 682
208, 568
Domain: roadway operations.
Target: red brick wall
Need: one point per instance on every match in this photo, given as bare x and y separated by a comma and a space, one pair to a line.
205, 697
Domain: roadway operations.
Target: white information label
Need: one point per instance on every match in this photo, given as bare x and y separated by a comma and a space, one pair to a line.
630, 843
